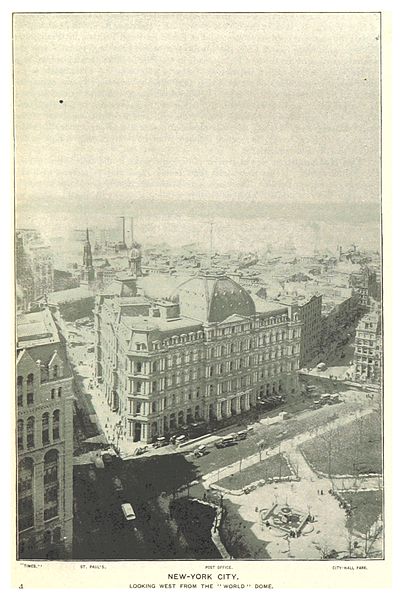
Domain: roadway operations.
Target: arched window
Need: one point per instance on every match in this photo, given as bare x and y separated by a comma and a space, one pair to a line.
30, 432
45, 428
20, 434
55, 371
30, 389
19, 391
51, 487
56, 425
25, 497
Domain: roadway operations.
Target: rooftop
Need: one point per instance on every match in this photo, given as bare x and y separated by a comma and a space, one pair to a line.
144, 323
263, 306
69, 295
36, 328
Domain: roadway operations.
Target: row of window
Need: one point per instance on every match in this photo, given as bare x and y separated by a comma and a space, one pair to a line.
366, 351
219, 351
26, 438
26, 474
30, 379
366, 360
176, 339
145, 408
30, 396
223, 369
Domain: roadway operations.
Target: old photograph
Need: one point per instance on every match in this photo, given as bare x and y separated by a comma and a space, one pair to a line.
198, 286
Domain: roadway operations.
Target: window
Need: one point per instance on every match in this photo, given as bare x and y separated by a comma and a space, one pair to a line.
55, 371
138, 387
154, 407
30, 398
45, 429
138, 407
30, 432
51, 488
56, 425
25, 498
138, 366
19, 391
52, 394
30, 380
20, 434
59, 392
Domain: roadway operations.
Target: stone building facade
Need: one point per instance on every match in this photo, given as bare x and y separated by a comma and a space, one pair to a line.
44, 439
34, 268
205, 354
366, 285
311, 318
368, 348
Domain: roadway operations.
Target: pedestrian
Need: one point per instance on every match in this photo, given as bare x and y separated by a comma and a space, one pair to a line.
321, 491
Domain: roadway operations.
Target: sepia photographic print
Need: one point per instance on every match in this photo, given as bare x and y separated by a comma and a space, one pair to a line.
198, 288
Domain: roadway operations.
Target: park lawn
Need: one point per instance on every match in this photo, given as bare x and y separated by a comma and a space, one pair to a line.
270, 468
353, 449
366, 507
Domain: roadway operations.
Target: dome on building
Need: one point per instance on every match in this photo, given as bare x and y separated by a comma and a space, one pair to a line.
213, 299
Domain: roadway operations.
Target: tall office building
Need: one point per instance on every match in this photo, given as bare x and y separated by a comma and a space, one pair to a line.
44, 439
368, 347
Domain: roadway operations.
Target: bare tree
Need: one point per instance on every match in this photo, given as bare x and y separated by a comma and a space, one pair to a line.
372, 535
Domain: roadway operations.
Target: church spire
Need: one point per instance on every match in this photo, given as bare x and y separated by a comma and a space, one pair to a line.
87, 254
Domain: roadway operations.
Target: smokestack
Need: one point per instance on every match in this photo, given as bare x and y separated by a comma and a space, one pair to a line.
211, 243
123, 231
131, 229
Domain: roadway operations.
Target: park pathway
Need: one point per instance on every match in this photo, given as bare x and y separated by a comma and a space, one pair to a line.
289, 447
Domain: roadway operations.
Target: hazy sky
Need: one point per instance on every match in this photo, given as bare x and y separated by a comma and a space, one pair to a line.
265, 108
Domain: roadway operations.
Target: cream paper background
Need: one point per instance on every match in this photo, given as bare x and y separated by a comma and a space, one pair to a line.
291, 574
